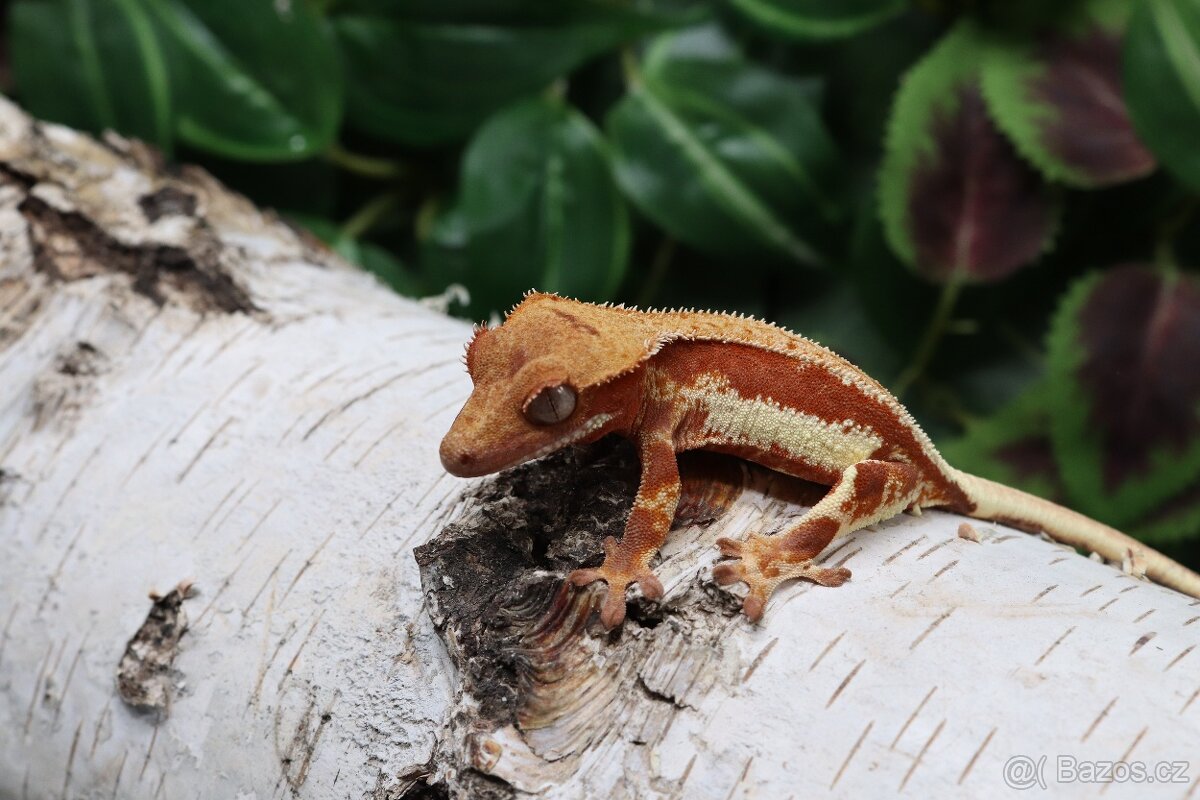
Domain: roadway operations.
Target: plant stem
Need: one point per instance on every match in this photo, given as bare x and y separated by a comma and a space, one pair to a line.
369, 215
557, 90
630, 68
1164, 248
658, 271
932, 337
384, 169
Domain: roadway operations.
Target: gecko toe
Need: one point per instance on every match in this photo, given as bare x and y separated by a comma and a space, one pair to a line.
652, 588
730, 548
753, 606
726, 574
583, 577
827, 576
611, 547
612, 612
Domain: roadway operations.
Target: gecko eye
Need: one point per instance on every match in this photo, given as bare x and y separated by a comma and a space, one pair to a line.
550, 405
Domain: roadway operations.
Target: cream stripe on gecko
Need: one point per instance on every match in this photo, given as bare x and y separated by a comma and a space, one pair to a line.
763, 423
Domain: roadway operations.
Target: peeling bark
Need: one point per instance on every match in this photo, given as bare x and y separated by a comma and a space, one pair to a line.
190, 390
144, 678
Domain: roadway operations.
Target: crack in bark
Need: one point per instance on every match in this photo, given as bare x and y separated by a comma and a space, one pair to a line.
658, 696
168, 201
529, 649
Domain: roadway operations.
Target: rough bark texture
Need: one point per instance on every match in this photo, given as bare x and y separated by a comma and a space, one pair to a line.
198, 402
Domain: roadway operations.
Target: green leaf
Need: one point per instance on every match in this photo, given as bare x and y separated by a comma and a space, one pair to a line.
728, 157
819, 19
1162, 82
1125, 408
1059, 98
957, 201
421, 82
526, 12
92, 64
254, 80
538, 208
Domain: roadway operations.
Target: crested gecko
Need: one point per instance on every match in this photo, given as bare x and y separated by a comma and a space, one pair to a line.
559, 372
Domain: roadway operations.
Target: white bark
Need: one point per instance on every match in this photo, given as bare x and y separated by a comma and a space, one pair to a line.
283, 459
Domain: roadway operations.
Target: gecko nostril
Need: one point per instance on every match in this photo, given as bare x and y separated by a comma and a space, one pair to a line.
455, 460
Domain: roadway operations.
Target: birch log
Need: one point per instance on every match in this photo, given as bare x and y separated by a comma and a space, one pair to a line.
201, 404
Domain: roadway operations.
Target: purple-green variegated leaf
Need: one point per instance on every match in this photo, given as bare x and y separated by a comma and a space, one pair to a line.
1032, 458
1178, 518
1012, 446
974, 206
1060, 100
1125, 360
958, 202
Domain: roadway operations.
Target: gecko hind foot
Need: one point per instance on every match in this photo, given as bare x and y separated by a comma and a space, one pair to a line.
761, 565
618, 578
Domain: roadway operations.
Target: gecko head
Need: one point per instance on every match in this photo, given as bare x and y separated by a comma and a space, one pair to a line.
550, 376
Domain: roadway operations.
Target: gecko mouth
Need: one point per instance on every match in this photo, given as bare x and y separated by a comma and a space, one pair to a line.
587, 429
461, 461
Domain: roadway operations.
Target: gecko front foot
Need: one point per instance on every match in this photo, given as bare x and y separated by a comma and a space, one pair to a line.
619, 571
763, 564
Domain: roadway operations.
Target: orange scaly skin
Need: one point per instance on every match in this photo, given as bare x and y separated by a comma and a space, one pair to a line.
560, 372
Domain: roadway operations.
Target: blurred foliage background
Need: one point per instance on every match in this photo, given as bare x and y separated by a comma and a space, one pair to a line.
993, 206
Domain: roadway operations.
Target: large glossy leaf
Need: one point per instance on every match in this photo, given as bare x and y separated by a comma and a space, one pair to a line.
819, 19
254, 80
470, 11
1162, 82
538, 209
527, 12
726, 156
1124, 351
92, 64
423, 78
1060, 99
957, 201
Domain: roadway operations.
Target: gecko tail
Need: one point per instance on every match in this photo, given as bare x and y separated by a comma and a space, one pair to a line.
1009, 506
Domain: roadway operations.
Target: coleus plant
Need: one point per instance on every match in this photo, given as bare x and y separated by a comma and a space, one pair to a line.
880, 174
987, 130
1113, 429
986, 125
